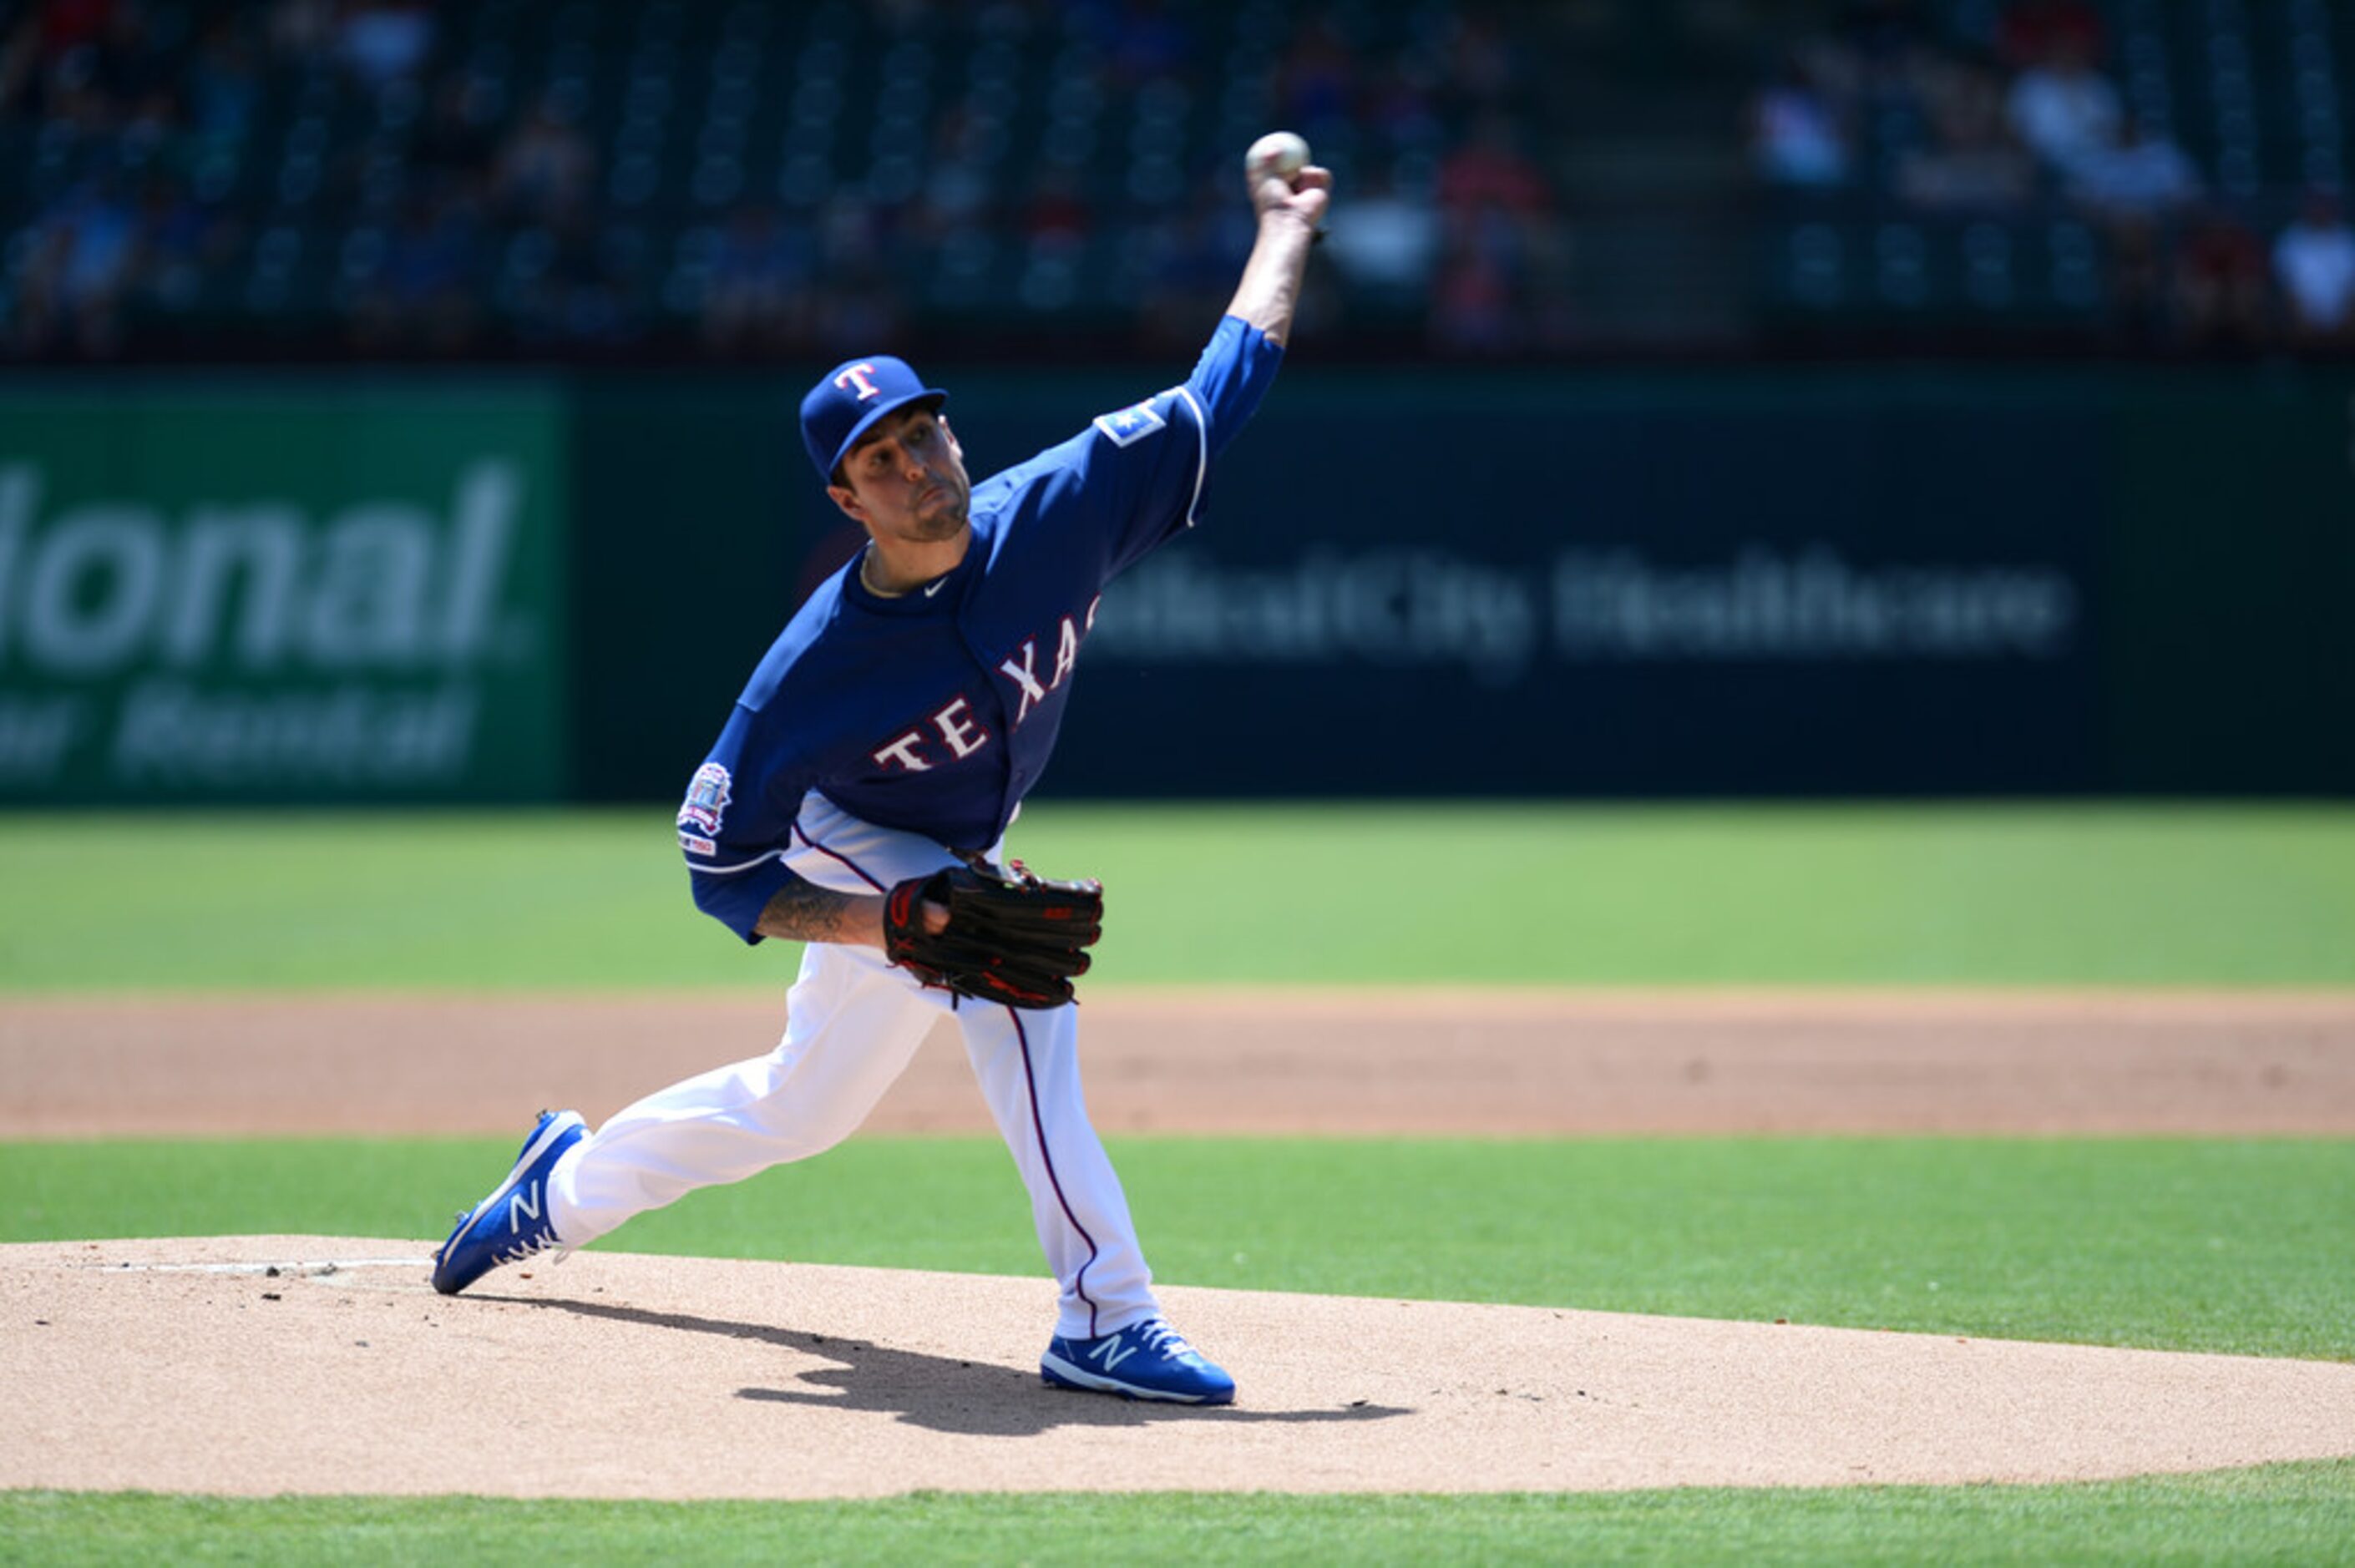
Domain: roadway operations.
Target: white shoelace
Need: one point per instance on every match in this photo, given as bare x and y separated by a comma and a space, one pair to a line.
533, 1248
1158, 1336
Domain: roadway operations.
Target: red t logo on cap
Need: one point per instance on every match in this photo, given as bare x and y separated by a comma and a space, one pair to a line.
859, 374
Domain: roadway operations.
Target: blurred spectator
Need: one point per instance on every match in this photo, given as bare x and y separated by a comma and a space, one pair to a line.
760, 287
1883, 32
1971, 164
1191, 271
149, 125
547, 167
1150, 40
2064, 109
1482, 71
69, 25
302, 31
1871, 55
958, 184
853, 315
580, 297
454, 145
20, 67
224, 85
2138, 287
1798, 133
1490, 170
2030, 32
900, 18
186, 241
2314, 262
853, 303
1475, 302
1056, 214
2139, 174
131, 62
1398, 111
80, 263
1318, 78
1499, 209
385, 41
64, 91
2221, 284
1386, 243
425, 294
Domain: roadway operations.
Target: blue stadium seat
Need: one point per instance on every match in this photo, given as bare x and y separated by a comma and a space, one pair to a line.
1990, 280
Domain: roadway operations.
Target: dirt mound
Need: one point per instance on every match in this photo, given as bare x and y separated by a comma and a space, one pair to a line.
190, 1366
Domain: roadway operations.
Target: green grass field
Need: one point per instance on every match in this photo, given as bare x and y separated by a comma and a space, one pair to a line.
2186, 1244
2211, 1245
1509, 895
2288, 1514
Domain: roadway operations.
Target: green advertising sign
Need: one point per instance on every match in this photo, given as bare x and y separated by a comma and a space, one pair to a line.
299, 593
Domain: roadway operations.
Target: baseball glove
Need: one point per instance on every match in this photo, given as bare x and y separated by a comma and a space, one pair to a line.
1013, 936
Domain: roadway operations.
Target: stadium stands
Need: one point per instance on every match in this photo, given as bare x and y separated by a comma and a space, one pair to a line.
2044, 173
583, 180
700, 176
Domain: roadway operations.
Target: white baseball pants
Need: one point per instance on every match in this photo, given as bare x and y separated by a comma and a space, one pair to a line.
853, 1023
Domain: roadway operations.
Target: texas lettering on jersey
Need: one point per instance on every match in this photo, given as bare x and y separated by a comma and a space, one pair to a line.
937, 716
952, 734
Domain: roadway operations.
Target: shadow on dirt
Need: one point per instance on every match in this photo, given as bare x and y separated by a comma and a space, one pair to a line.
939, 1393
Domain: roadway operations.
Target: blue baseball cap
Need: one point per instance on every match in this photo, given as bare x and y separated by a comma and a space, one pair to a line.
850, 397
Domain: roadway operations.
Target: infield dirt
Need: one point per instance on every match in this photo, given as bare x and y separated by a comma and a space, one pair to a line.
1270, 1062
183, 1365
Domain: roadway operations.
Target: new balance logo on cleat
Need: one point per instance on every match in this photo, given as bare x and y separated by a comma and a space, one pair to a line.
1159, 1365
522, 1202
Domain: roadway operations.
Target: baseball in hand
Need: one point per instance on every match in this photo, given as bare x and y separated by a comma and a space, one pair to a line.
1282, 153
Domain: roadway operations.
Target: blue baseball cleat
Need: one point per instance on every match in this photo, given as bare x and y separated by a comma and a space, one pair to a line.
512, 1224
1144, 1361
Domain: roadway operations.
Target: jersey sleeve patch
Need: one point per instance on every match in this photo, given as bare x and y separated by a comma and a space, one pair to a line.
707, 802
1131, 425
694, 843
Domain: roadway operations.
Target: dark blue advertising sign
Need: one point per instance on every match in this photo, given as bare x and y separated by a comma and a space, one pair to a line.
1536, 592
1871, 580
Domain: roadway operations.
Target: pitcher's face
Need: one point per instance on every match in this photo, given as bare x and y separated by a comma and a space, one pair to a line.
906, 480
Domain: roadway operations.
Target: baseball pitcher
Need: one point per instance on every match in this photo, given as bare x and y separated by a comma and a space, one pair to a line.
858, 798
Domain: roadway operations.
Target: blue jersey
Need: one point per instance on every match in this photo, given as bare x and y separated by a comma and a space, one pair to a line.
934, 712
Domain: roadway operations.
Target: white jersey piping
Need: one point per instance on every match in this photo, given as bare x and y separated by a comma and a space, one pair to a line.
1202, 467
740, 865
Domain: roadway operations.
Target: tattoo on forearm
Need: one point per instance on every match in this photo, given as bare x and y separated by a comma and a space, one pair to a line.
804, 911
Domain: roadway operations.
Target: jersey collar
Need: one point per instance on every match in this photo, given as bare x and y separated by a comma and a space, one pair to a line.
942, 594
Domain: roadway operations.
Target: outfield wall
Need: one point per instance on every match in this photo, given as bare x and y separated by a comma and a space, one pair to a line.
1784, 581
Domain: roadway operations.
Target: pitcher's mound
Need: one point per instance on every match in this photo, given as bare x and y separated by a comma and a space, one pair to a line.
189, 1366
